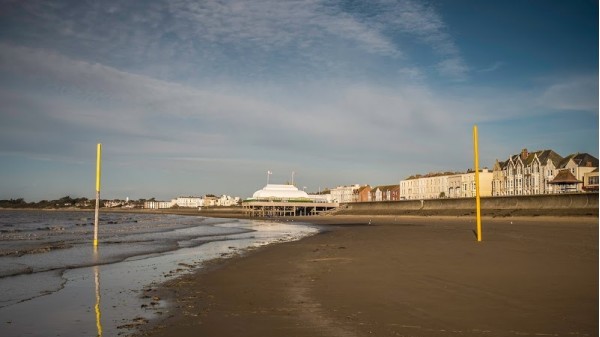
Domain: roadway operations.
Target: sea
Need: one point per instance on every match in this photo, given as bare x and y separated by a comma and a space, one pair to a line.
53, 282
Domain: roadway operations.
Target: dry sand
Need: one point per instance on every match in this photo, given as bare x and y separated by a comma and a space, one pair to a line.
400, 276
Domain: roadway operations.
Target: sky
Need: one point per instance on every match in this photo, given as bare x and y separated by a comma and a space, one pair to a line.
204, 97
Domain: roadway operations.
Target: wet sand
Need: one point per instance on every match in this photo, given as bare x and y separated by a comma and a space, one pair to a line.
399, 276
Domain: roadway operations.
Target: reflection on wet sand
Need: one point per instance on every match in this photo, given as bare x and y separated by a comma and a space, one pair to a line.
69, 279
97, 306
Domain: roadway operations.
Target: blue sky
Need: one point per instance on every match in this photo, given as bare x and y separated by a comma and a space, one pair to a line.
196, 97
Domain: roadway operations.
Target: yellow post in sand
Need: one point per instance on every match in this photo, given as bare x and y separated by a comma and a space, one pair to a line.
98, 159
477, 199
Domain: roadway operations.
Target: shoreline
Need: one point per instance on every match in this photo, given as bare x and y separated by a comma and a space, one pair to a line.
237, 213
536, 275
120, 282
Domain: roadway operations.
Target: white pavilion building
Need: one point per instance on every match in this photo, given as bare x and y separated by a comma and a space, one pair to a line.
285, 200
281, 192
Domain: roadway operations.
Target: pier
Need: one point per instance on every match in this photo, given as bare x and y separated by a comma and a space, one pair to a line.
282, 208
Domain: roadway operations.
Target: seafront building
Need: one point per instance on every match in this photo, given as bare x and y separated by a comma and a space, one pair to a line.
227, 201
362, 194
542, 172
590, 181
193, 202
153, 204
188, 202
385, 193
526, 173
351, 193
445, 185
429, 186
578, 164
343, 194
462, 185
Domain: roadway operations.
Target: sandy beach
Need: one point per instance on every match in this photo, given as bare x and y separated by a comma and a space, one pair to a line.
399, 276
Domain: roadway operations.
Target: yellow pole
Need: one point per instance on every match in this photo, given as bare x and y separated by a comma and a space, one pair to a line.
477, 199
98, 161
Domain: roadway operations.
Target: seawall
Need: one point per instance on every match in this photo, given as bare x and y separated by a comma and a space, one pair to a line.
579, 204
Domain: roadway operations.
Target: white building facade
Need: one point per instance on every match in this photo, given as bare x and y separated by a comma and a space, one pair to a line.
227, 201
191, 202
463, 185
430, 186
158, 204
446, 185
343, 194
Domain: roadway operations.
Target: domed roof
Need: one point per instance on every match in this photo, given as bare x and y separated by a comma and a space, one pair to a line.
279, 191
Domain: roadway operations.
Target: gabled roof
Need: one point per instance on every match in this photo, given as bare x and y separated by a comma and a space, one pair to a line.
564, 177
362, 188
385, 188
502, 164
580, 159
542, 155
546, 155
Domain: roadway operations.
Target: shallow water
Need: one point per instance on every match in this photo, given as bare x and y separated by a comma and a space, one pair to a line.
73, 290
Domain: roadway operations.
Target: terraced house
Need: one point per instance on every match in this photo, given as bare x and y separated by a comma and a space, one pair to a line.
385, 193
445, 185
541, 172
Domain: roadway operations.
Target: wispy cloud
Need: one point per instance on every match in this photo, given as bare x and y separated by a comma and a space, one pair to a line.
574, 93
201, 37
92, 101
424, 21
453, 68
493, 67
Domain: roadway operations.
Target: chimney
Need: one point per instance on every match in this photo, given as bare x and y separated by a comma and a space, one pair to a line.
524, 154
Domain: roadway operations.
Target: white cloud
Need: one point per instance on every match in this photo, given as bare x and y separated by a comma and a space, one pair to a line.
178, 38
270, 25
412, 73
424, 22
164, 118
453, 67
493, 67
577, 93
